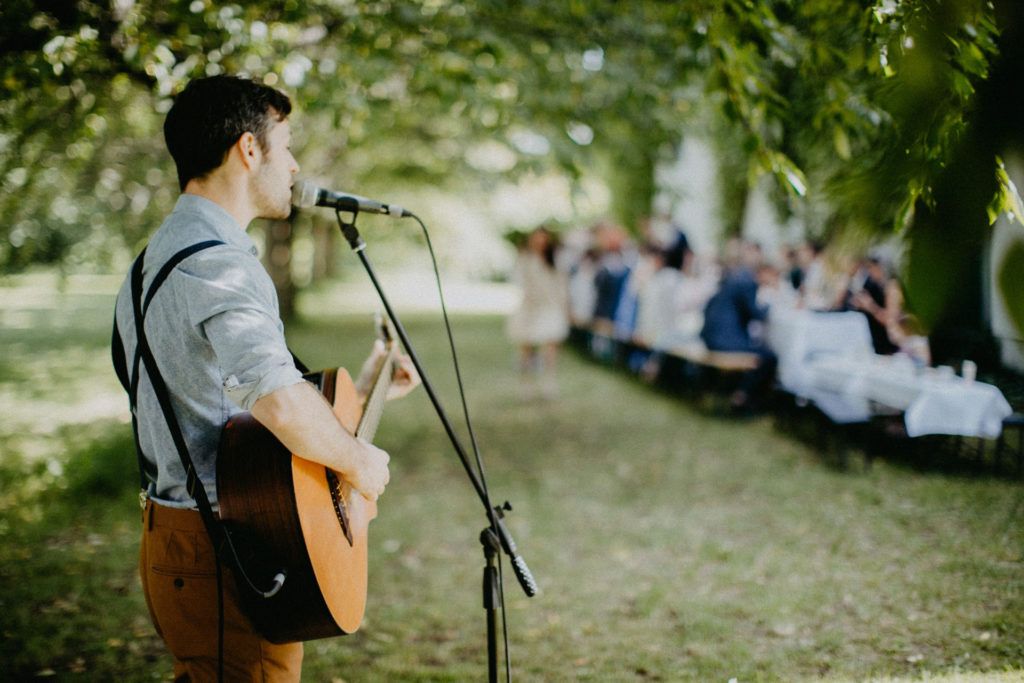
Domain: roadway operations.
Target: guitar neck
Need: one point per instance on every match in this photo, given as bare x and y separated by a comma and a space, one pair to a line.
373, 408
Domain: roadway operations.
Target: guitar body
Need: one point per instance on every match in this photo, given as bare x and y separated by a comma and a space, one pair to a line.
304, 519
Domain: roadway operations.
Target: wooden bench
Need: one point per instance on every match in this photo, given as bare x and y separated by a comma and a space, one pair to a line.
704, 371
725, 361
712, 373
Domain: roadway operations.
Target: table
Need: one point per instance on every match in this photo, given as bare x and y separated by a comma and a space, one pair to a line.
933, 401
828, 359
800, 337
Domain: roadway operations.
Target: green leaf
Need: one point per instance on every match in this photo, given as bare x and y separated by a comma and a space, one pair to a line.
841, 141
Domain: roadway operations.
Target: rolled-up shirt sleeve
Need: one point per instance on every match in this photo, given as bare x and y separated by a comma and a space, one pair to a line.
253, 356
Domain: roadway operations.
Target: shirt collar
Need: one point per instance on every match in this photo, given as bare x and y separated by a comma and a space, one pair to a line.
218, 218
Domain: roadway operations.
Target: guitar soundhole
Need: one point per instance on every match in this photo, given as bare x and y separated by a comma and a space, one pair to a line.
338, 498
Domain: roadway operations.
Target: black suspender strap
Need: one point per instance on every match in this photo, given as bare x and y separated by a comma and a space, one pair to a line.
142, 351
117, 355
133, 380
130, 382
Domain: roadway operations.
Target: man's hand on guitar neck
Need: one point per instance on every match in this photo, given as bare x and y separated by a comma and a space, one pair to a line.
302, 420
404, 377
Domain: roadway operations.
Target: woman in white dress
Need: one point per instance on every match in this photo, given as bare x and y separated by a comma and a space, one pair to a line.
541, 322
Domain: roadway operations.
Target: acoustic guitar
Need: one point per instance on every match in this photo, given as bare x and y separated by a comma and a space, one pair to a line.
286, 511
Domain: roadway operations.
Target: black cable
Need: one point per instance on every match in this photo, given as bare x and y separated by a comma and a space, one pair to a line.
472, 438
278, 580
455, 360
504, 621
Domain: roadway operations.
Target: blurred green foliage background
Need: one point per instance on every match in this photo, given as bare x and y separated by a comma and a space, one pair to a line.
883, 118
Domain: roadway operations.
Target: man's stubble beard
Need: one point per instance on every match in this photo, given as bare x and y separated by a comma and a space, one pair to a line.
274, 197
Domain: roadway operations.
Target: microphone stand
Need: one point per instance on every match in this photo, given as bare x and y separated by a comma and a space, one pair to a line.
495, 536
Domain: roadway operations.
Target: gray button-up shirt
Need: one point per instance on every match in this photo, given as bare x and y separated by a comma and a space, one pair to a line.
215, 330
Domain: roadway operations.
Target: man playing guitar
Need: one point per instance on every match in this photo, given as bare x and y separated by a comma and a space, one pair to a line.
215, 332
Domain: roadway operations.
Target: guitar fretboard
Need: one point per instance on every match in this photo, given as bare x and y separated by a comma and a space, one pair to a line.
373, 409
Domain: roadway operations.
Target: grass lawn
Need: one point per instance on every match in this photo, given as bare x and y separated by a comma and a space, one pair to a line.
669, 544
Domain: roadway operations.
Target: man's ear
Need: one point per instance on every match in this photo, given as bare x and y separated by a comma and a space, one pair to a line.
248, 149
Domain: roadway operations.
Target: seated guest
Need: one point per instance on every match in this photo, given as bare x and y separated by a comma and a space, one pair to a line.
655, 312
790, 267
904, 330
668, 300
656, 302
638, 280
849, 281
727, 319
699, 281
775, 290
815, 290
880, 300
612, 270
582, 292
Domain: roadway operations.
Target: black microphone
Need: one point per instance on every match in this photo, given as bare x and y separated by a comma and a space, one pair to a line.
305, 194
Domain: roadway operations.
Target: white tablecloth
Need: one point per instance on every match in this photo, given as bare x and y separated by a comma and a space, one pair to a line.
800, 338
828, 359
932, 402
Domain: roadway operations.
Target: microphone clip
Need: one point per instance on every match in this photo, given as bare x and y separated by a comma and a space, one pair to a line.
349, 230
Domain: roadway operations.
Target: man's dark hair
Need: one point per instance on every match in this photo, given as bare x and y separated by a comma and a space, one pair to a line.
209, 116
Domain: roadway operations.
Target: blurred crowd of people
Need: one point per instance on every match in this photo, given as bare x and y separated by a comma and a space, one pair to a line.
656, 294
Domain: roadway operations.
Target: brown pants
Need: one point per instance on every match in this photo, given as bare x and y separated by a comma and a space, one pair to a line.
179, 580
